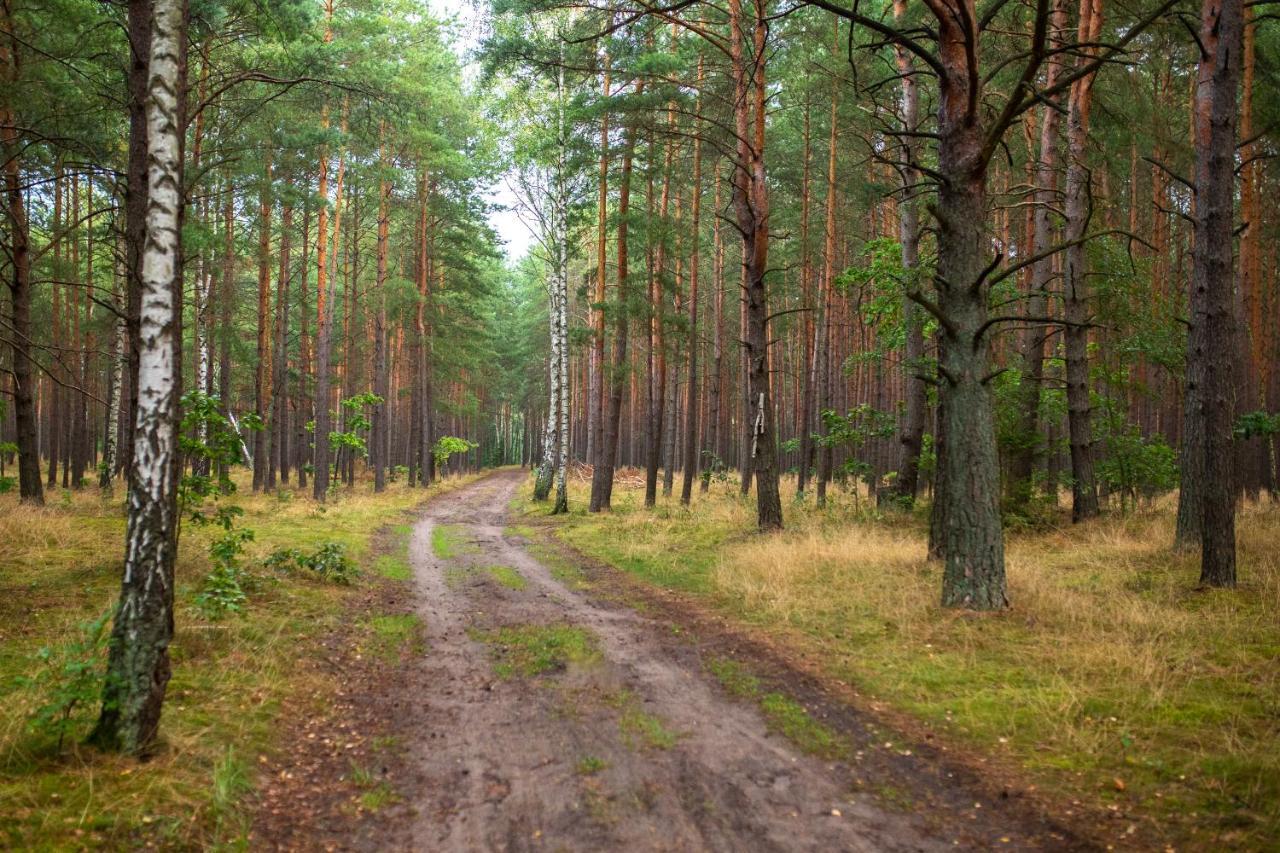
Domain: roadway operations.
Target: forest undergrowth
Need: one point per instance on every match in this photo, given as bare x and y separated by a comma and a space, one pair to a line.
1113, 684
233, 671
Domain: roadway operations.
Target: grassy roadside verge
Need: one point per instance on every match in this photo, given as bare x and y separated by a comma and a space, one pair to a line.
1112, 685
59, 569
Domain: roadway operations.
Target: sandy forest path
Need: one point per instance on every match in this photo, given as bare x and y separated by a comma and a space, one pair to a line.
630, 745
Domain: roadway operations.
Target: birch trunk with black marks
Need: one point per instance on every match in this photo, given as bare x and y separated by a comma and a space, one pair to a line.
138, 667
560, 227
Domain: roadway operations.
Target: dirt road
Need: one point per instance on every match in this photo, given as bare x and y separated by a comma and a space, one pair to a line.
550, 717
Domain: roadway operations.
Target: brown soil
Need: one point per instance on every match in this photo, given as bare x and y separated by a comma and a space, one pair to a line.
639, 749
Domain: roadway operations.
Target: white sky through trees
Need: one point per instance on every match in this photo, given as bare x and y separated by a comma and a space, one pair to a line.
515, 234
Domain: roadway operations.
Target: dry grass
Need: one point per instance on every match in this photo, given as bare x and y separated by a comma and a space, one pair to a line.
1110, 665
60, 566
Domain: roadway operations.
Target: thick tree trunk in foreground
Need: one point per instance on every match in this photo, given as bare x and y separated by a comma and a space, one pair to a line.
1213, 281
973, 542
138, 667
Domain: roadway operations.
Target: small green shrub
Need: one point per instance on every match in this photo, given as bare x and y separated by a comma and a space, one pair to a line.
69, 676
221, 593
330, 562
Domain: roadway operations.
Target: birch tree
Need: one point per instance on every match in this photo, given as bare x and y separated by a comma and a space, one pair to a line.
138, 667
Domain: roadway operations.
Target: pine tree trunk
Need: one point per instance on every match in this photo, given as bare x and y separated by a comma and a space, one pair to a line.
907, 484
973, 544
1084, 491
264, 324
24, 408
602, 477
382, 411
751, 206
280, 357
1213, 281
691, 456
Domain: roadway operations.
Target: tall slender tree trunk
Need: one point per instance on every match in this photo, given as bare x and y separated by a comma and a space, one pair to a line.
1029, 446
823, 350
264, 324
280, 357
691, 457
119, 356
1213, 281
715, 382
302, 443
382, 411
138, 665
751, 205
602, 477
907, 484
1084, 490
24, 407
596, 393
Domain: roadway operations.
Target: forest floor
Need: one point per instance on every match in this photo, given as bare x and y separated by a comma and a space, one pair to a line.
654, 679
558, 705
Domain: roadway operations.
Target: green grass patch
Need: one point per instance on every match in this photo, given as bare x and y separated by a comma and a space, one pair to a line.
789, 718
393, 567
589, 765
642, 730
531, 650
396, 636
561, 567
449, 541
378, 797
506, 576
734, 677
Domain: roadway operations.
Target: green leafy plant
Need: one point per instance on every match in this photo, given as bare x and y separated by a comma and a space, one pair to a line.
357, 424
851, 431
330, 562
70, 676
8, 449
1257, 425
449, 445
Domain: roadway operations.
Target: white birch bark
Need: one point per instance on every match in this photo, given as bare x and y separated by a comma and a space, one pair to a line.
119, 353
561, 283
138, 671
